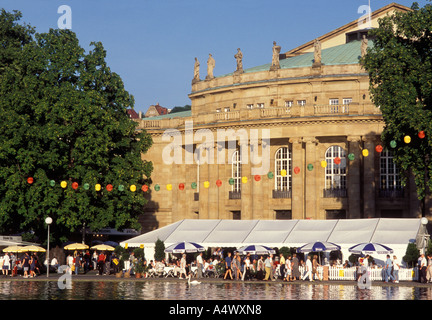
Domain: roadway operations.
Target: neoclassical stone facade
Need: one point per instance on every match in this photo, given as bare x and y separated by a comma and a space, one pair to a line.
317, 131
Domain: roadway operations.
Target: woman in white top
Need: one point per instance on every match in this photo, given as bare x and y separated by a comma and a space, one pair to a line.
6, 264
288, 269
183, 267
396, 267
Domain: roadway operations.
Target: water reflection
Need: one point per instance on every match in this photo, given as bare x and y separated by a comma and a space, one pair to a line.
137, 290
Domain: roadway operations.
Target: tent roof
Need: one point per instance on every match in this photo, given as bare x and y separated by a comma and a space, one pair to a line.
291, 233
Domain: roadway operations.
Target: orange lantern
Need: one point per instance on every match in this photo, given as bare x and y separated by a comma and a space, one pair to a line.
30, 180
296, 170
144, 188
337, 160
75, 185
218, 183
109, 187
379, 148
181, 186
257, 177
421, 134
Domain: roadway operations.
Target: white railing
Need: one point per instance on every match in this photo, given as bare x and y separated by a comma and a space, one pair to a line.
376, 274
331, 109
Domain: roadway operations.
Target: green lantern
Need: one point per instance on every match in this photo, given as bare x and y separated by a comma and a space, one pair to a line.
351, 156
194, 185
393, 144
157, 187
310, 167
86, 186
121, 187
52, 183
270, 175
231, 181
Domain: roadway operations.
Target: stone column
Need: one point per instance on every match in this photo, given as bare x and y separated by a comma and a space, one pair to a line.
203, 192
297, 198
213, 190
246, 188
353, 178
369, 178
311, 186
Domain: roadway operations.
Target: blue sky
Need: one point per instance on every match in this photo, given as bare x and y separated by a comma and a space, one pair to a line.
152, 44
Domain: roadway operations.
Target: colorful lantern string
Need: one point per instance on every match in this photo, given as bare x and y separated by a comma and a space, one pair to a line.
393, 144
421, 134
337, 160
98, 187
109, 187
270, 175
218, 183
63, 184
379, 148
296, 170
75, 185
86, 186
283, 172
407, 139
30, 180
365, 152
206, 184
351, 156
244, 179
157, 187
194, 185
144, 188
181, 186
231, 181
323, 163
310, 166
257, 177
52, 183
120, 187
168, 187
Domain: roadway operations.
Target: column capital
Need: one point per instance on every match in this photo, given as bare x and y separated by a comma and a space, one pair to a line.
370, 138
313, 140
354, 138
295, 140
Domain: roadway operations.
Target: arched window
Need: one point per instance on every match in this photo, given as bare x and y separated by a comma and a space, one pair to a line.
335, 174
236, 171
283, 162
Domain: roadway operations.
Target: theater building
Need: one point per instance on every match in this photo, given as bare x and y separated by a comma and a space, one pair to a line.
321, 150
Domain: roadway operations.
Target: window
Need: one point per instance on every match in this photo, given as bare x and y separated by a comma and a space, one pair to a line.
301, 102
335, 174
236, 215
218, 110
347, 100
260, 105
227, 109
236, 171
249, 106
289, 103
283, 162
335, 214
389, 175
333, 102
283, 214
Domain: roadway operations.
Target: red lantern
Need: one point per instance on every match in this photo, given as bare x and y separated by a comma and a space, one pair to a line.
75, 185
109, 187
30, 180
296, 170
337, 160
421, 134
144, 188
181, 186
257, 177
218, 183
379, 148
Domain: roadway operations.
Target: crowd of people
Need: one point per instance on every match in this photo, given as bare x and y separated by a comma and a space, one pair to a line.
27, 264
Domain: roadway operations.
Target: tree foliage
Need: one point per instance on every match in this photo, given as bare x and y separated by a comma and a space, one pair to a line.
400, 71
64, 117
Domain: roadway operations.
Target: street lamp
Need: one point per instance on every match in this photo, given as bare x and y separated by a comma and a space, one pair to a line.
424, 221
48, 221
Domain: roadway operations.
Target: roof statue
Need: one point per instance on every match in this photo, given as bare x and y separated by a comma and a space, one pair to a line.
196, 71
275, 58
239, 58
364, 46
317, 53
210, 67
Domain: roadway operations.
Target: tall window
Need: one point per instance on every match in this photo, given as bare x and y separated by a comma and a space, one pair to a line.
283, 162
236, 171
335, 176
390, 178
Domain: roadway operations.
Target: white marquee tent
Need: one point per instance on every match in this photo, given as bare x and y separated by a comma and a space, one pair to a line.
395, 233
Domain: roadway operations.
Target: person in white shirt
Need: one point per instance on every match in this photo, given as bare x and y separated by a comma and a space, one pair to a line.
396, 267
6, 264
200, 265
308, 269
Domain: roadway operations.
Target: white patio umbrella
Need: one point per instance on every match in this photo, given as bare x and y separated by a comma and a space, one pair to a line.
184, 247
255, 249
318, 246
370, 248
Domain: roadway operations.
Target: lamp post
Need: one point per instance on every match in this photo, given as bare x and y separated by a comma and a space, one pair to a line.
424, 221
48, 221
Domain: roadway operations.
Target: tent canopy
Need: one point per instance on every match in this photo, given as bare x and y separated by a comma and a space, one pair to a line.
279, 233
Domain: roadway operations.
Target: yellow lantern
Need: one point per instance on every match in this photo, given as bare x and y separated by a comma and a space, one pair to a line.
169, 186
63, 184
365, 152
98, 187
323, 163
206, 184
132, 188
407, 139
244, 179
283, 173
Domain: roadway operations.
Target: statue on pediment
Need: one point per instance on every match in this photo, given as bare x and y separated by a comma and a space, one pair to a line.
364, 46
210, 67
239, 58
275, 58
317, 53
196, 71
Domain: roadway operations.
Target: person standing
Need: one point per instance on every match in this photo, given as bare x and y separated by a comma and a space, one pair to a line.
95, 259
315, 266
308, 269
260, 268
295, 267
200, 265
77, 263
228, 263
281, 266
429, 269
26, 265
6, 264
396, 267
388, 269
183, 266
268, 267
422, 266
288, 269
101, 263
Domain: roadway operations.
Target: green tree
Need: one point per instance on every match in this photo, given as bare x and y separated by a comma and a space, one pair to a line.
159, 250
64, 118
400, 71
411, 255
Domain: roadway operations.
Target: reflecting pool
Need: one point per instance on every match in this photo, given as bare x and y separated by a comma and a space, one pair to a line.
149, 290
